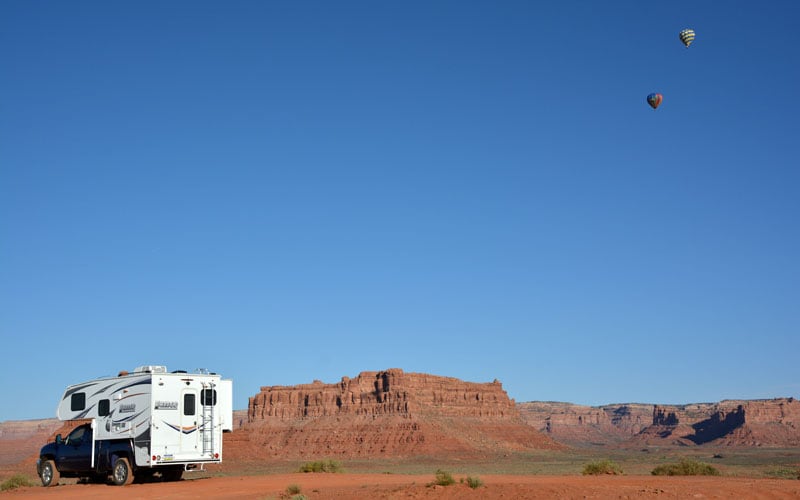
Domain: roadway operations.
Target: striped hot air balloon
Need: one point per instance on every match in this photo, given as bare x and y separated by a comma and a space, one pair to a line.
687, 37
654, 100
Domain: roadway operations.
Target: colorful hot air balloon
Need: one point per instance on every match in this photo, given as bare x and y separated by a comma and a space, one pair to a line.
654, 100
687, 37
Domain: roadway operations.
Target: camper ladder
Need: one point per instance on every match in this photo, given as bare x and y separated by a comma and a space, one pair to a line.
207, 404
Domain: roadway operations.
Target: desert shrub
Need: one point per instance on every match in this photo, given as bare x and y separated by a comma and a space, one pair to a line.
322, 466
474, 482
601, 467
783, 473
444, 478
16, 481
293, 489
686, 467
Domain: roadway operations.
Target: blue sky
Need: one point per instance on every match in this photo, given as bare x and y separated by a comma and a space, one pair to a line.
289, 191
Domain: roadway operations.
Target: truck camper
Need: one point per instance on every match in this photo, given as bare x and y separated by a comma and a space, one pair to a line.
141, 424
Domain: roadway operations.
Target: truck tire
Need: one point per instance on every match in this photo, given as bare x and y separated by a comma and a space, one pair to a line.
121, 474
49, 474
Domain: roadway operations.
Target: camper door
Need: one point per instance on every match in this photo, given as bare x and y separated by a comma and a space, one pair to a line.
190, 421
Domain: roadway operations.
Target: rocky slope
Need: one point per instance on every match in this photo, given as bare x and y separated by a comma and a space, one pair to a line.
386, 413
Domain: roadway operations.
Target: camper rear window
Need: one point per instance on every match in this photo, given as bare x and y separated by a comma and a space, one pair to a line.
78, 401
188, 404
208, 397
103, 408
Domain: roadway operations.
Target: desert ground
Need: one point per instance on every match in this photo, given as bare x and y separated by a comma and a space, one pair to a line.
748, 474
395, 486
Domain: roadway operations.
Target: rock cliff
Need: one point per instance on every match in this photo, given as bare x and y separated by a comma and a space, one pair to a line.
389, 413
579, 425
772, 422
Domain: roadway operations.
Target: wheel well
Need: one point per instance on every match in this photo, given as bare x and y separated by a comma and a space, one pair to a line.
120, 454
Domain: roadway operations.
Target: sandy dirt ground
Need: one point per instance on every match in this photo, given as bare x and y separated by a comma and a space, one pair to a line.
397, 486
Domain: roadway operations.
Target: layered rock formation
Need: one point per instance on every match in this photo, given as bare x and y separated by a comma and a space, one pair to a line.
772, 422
578, 425
390, 413
390, 392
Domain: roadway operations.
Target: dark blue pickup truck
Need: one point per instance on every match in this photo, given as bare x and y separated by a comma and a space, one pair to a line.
78, 455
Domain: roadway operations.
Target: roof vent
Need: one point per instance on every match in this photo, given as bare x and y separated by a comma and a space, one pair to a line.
150, 369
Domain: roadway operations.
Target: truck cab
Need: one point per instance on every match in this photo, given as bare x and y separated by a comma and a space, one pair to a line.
71, 456
74, 453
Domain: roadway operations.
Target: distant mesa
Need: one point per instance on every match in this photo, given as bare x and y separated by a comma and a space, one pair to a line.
578, 425
767, 423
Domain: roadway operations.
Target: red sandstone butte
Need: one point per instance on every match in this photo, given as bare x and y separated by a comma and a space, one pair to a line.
386, 413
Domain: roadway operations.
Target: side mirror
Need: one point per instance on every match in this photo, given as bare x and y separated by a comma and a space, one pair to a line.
59, 439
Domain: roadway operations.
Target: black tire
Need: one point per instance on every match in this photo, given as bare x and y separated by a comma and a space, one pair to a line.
122, 474
48, 473
172, 474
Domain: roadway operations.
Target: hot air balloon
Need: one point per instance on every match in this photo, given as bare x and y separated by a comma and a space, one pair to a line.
687, 37
654, 100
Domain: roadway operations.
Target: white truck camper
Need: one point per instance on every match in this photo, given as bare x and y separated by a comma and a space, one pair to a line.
169, 420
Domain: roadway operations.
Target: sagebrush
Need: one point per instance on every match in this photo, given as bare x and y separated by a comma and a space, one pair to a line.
322, 466
444, 478
474, 482
686, 467
602, 467
16, 481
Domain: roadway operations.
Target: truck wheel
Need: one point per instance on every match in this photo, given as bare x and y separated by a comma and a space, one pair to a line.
49, 474
122, 475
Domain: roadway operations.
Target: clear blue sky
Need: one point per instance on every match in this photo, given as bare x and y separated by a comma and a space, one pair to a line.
289, 191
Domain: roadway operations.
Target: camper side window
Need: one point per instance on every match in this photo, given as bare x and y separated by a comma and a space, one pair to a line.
78, 401
103, 408
188, 404
208, 397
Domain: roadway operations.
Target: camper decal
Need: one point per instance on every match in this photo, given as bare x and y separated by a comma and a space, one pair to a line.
103, 389
184, 430
84, 413
166, 405
120, 398
77, 388
128, 419
127, 408
145, 381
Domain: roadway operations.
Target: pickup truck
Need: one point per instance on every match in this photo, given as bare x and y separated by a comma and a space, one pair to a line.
78, 455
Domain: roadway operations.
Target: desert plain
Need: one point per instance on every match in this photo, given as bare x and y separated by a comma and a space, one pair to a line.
391, 431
